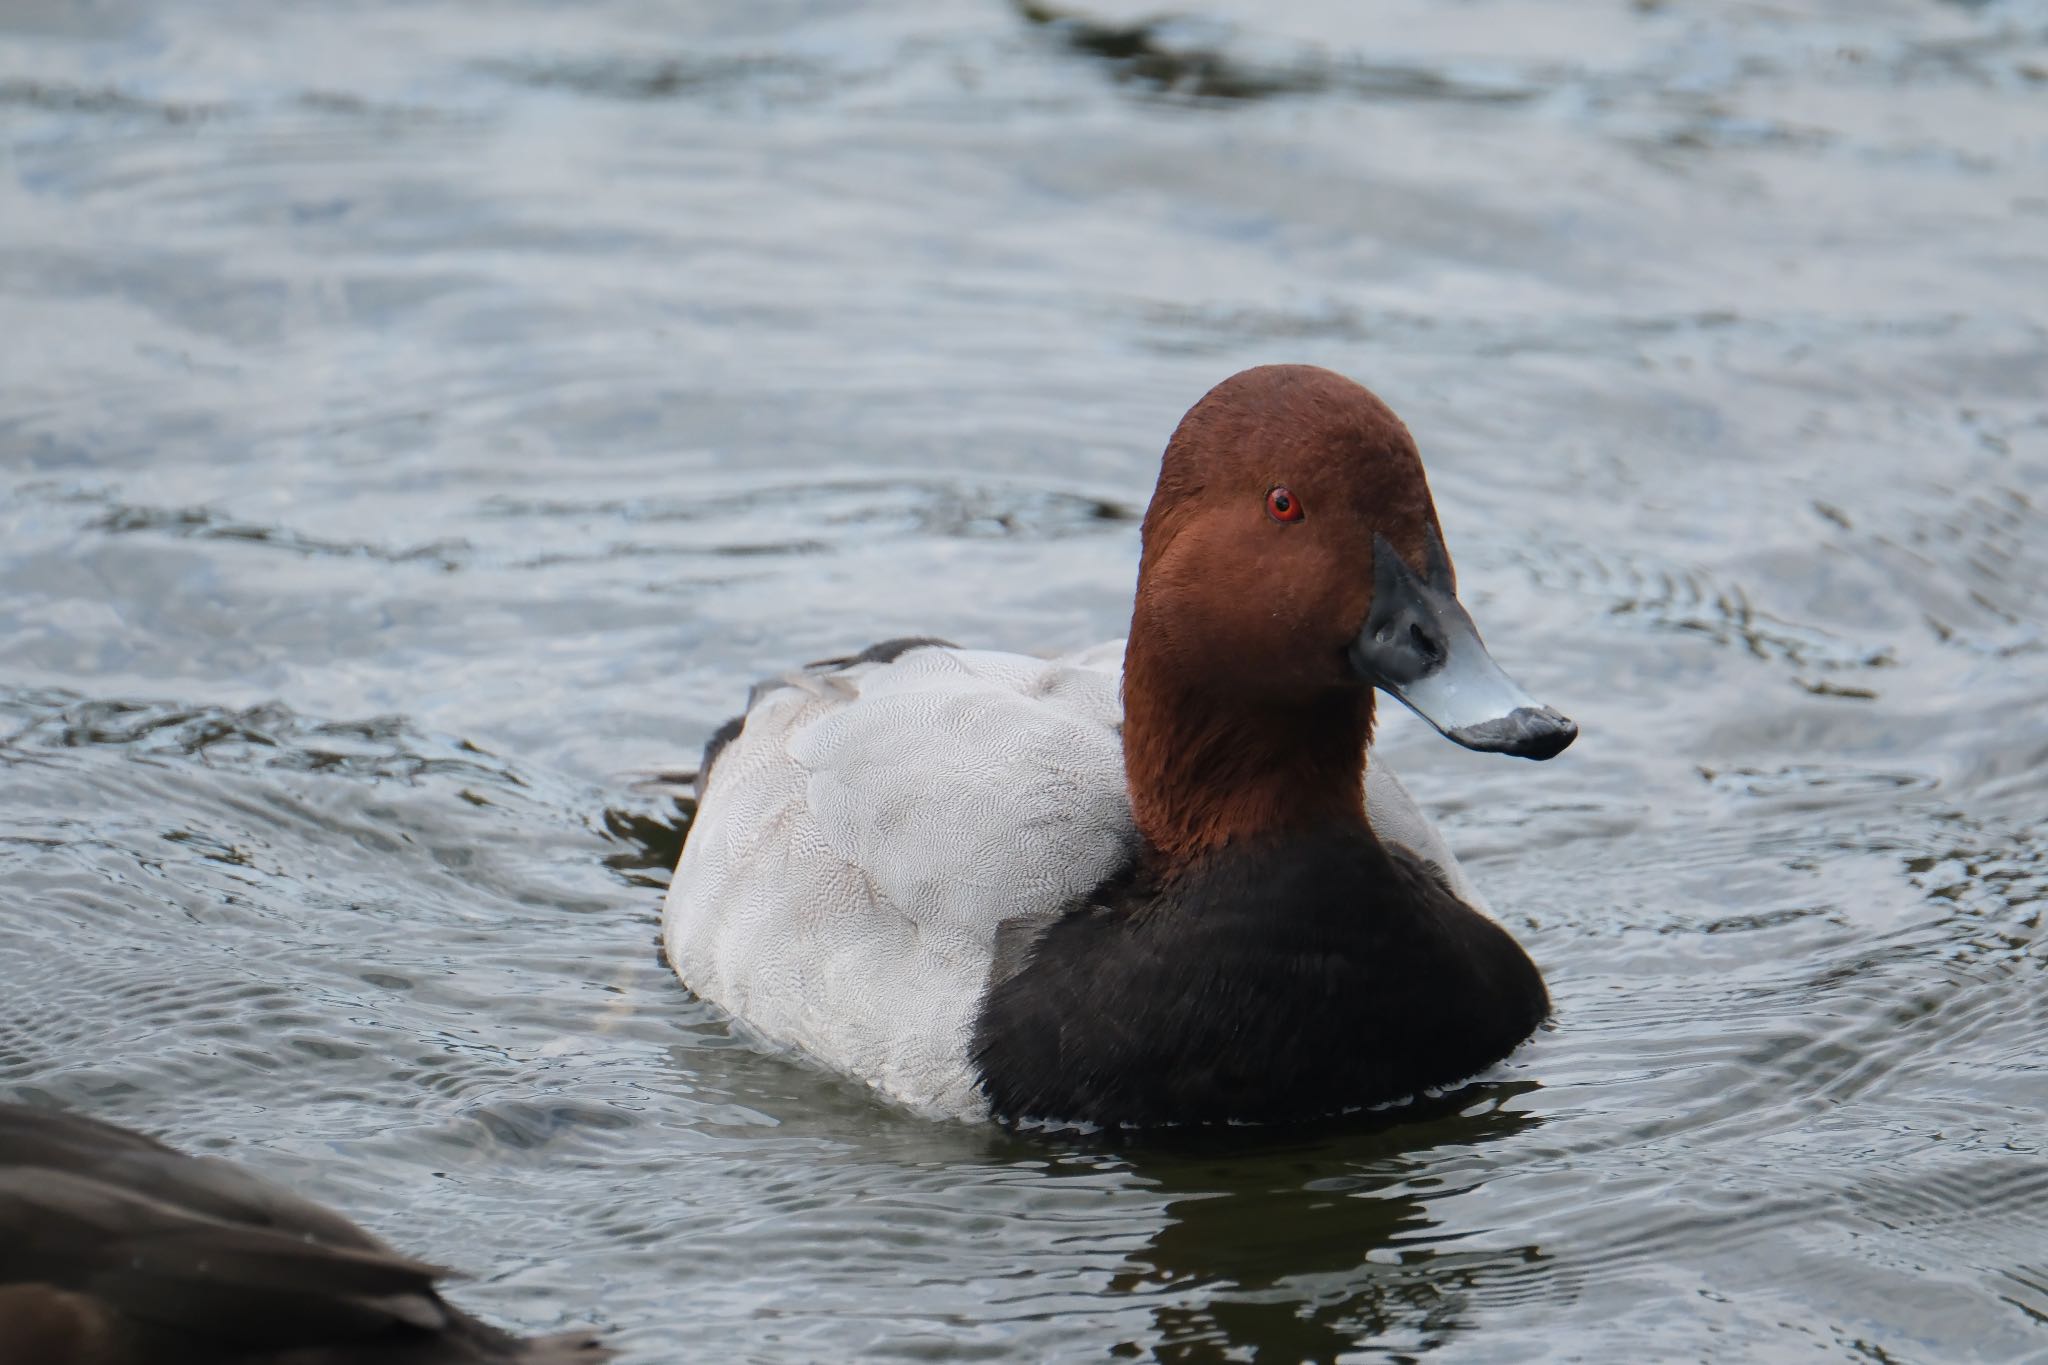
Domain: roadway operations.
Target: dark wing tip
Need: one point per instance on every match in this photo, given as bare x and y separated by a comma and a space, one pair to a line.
886, 652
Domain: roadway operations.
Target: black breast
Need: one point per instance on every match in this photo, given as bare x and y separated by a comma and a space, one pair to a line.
1290, 979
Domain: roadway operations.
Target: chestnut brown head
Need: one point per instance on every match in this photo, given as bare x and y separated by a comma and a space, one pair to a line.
1292, 551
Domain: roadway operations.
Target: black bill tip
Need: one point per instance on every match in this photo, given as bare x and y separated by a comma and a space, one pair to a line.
1525, 732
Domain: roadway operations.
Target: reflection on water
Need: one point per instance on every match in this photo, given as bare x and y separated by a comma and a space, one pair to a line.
1307, 1248
426, 429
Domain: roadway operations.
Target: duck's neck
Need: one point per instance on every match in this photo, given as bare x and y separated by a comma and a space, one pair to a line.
1207, 769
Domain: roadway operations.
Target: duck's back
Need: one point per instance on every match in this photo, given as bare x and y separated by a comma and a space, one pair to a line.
879, 828
864, 837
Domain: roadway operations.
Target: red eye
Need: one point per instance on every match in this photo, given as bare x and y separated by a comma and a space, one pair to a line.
1282, 505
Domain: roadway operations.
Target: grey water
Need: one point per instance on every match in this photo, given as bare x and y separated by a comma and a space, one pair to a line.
419, 422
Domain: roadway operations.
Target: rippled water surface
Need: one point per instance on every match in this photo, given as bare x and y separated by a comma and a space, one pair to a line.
420, 421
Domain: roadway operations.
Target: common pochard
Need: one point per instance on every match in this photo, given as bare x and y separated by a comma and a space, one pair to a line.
1144, 883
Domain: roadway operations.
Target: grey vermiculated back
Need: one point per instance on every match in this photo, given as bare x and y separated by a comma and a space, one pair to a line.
858, 849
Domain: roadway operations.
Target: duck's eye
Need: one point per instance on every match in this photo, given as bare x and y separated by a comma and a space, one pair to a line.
1282, 505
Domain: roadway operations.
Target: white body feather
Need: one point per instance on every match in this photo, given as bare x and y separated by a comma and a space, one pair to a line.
871, 828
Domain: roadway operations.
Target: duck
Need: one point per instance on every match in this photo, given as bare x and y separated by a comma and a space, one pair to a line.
116, 1249
1160, 881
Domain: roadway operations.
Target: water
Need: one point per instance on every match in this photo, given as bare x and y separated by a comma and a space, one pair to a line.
420, 421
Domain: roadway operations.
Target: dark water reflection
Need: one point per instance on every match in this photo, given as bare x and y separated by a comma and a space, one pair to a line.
1310, 1249
419, 426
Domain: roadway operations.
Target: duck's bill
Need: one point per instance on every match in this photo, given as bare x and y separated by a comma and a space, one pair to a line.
1420, 646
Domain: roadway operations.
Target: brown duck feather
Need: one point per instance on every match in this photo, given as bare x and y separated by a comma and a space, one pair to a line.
118, 1250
